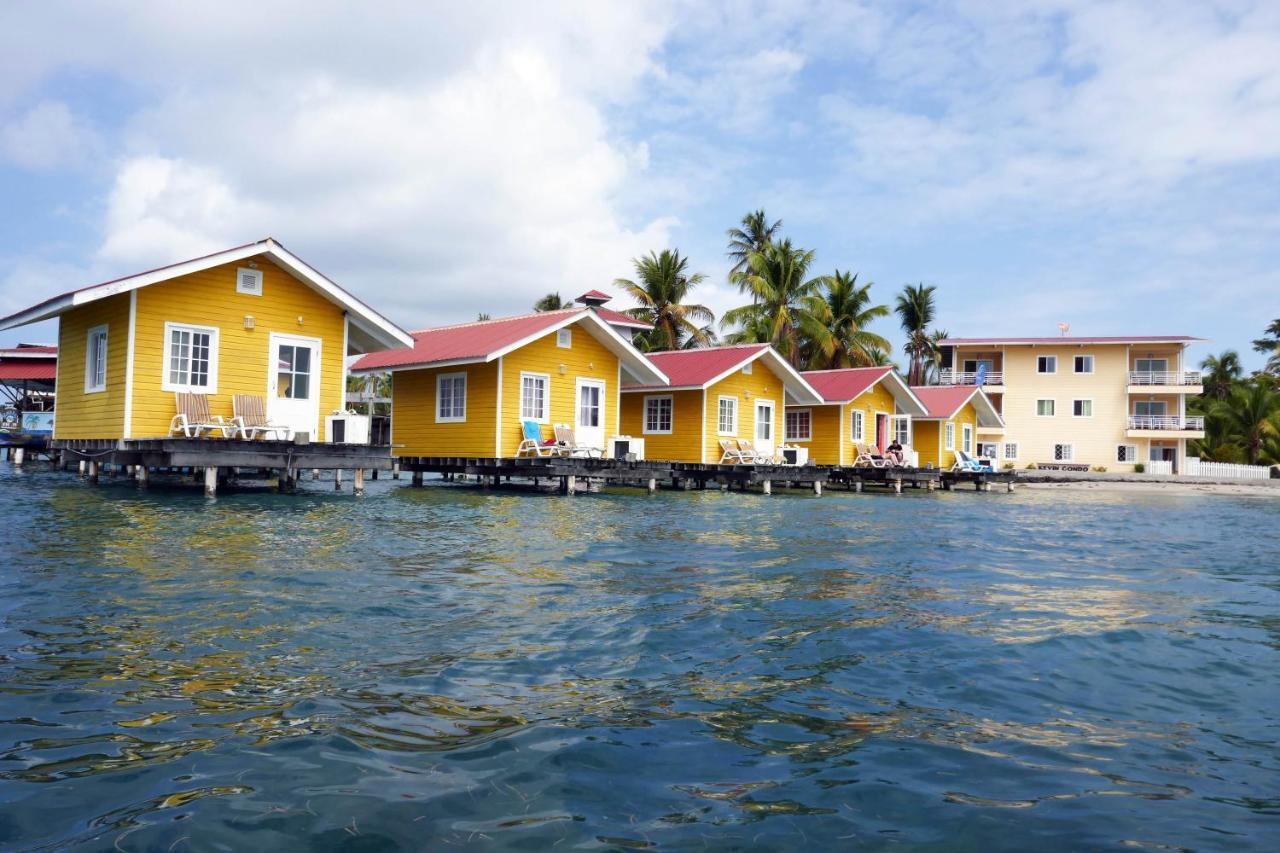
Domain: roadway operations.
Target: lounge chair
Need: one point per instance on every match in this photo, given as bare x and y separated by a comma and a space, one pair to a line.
731, 453
533, 444
868, 458
757, 456
965, 462
193, 418
569, 445
251, 418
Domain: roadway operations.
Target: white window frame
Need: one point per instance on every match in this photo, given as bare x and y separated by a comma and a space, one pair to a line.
1075, 368
1150, 367
720, 401
671, 414
1010, 450
1124, 456
440, 380
212, 332
1149, 404
858, 425
992, 444
564, 338
1052, 361
91, 383
1088, 400
949, 436
1070, 455
1054, 405
773, 424
256, 275
787, 435
966, 438
545, 416
909, 433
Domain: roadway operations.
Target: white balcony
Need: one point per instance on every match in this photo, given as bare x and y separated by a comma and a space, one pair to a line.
1147, 378
1165, 423
964, 377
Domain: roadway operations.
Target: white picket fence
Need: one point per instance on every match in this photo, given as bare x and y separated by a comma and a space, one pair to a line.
1157, 466
1196, 468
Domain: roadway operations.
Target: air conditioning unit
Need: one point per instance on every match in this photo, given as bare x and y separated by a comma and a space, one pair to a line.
346, 428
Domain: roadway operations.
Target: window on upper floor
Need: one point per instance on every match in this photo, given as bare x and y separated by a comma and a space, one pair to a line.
1045, 408
1083, 364
1082, 408
564, 338
1047, 364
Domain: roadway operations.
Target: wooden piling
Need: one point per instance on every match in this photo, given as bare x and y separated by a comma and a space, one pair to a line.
653, 485
18, 454
359, 482
210, 481
767, 486
93, 471
416, 480
817, 488
337, 479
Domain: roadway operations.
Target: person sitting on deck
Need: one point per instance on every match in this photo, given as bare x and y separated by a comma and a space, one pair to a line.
894, 453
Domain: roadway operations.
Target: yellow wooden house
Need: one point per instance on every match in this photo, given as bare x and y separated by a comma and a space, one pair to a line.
465, 390
714, 393
955, 414
861, 405
253, 320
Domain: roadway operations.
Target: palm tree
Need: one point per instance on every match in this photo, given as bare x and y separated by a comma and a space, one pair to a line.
916, 311
663, 286
1248, 416
786, 306
879, 358
550, 302
754, 234
1221, 372
1269, 345
850, 313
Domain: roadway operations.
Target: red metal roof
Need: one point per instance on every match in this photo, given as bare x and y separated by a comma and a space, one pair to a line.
28, 351
943, 401
696, 367
33, 369
841, 386
594, 294
1106, 339
617, 318
477, 340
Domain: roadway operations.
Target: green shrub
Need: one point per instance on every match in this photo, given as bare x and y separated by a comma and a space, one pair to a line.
1008, 466
1031, 467
1138, 468
1101, 469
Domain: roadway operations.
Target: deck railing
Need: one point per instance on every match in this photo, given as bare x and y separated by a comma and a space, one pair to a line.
1165, 422
1165, 377
966, 377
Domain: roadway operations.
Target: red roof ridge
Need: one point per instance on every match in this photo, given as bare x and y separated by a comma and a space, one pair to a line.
493, 320
841, 369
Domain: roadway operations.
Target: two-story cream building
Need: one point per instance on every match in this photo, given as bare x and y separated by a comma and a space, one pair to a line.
1082, 401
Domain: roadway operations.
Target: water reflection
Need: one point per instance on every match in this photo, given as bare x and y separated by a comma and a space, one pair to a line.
494, 669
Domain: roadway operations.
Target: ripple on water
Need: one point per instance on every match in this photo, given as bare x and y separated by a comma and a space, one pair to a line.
620, 671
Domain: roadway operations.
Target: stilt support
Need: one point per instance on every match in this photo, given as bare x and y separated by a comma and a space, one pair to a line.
767, 486
337, 479
897, 487
395, 471
359, 482
417, 478
817, 488
142, 476
652, 485
210, 481
18, 454
93, 471
315, 473
1011, 485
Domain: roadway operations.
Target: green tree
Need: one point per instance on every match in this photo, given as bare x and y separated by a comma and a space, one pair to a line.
1269, 345
916, 310
754, 234
550, 302
1247, 417
849, 313
786, 304
662, 286
1220, 373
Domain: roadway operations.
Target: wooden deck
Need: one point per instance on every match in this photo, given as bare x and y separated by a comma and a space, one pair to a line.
218, 457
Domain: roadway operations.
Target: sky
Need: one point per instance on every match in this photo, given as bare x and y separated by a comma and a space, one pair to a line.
1115, 166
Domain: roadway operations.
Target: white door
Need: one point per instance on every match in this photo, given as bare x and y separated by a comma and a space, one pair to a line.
589, 428
764, 426
293, 387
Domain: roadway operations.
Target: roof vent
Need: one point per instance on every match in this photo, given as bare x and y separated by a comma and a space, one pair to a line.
593, 298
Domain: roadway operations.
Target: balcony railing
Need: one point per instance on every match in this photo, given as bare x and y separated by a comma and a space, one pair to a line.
1165, 422
962, 377
1165, 377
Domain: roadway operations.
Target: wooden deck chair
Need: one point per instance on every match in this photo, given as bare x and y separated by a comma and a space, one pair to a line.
193, 418
533, 444
569, 444
732, 454
251, 418
868, 458
759, 457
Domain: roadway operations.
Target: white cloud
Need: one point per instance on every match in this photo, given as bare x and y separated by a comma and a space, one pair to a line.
47, 137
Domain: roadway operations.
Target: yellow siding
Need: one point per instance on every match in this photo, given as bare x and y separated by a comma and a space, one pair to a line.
926, 440
209, 298
684, 444
100, 414
587, 358
875, 400
824, 430
761, 383
414, 430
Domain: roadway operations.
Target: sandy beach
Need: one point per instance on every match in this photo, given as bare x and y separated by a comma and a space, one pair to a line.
1261, 488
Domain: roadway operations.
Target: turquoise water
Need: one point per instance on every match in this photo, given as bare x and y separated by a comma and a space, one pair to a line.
450, 668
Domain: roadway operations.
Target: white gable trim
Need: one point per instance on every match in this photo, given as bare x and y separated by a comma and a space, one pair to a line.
378, 327
793, 383
639, 366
